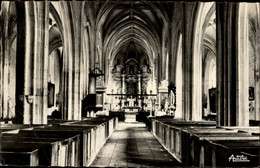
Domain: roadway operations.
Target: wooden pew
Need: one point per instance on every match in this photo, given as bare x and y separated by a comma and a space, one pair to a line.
25, 157
47, 151
7, 127
171, 134
200, 157
234, 153
185, 140
95, 138
93, 135
98, 121
64, 145
191, 146
86, 135
252, 129
16, 127
59, 121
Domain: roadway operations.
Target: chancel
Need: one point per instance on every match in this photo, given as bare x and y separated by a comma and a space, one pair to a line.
129, 83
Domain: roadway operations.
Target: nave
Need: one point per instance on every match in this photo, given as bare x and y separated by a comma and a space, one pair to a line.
71, 70
133, 145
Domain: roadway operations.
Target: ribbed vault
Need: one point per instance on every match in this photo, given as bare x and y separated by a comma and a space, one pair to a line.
120, 23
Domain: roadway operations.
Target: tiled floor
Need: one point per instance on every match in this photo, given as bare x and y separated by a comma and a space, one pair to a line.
132, 145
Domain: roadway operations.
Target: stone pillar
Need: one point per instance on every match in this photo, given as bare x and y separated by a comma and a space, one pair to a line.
179, 81
257, 70
78, 45
73, 43
187, 61
9, 41
226, 37
36, 62
242, 115
41, 58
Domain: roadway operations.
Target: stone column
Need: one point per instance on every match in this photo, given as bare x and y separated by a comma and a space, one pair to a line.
242, 112
73, 44
257, 70
36, 62
226, 37
187, 61
179, 81
9, 41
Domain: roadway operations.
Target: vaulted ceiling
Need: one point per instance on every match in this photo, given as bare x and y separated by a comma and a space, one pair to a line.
138, 22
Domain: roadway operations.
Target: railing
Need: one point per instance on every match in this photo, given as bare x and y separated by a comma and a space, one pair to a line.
117, 102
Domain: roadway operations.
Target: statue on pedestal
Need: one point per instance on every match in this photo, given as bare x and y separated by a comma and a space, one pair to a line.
172, 99
131, 102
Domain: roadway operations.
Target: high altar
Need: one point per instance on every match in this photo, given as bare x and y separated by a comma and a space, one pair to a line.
131, 109
132, 88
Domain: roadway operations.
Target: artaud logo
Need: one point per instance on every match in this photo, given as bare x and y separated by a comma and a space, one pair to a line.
238, 158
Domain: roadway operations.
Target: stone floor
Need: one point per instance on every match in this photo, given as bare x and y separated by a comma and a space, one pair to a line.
132, 145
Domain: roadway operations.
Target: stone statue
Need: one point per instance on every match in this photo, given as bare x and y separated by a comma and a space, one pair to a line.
117, 67
144, 69
131, 102
172, 98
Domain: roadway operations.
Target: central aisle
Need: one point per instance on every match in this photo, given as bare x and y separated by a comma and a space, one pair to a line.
132, 145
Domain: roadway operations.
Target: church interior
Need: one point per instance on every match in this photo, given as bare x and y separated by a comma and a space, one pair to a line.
170, 83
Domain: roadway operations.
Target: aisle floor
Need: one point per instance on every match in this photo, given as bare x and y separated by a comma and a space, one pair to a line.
133, 145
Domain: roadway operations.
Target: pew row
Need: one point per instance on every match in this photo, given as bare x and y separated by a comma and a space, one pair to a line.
231, 153
52, 152
71, 143
198, 143
26, 157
